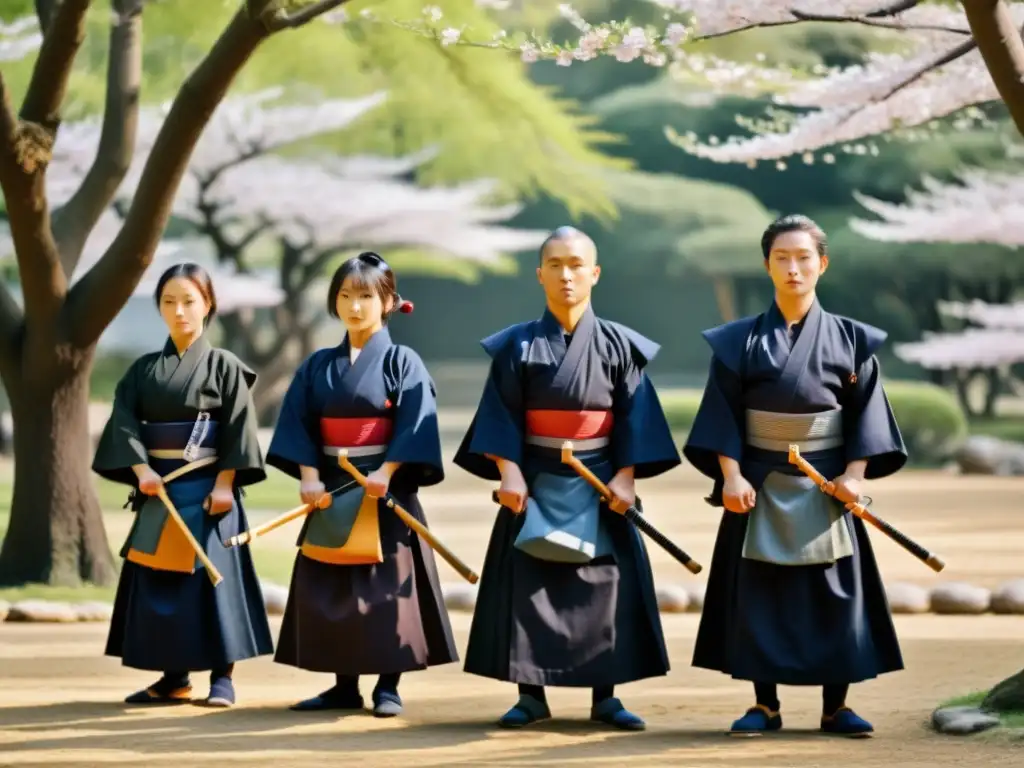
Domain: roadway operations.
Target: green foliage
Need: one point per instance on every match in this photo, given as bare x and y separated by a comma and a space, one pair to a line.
478, 106
930, 418
413, 262
680, 406
669, 224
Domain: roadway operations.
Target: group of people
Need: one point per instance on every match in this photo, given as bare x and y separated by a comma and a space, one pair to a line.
566, 596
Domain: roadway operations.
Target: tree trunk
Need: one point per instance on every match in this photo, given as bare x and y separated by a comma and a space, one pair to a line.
725, 297
993, 388
56, 533
963, 391
999, 43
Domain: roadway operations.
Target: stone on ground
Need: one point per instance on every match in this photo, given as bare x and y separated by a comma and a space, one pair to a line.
697, 590
42, 611
1008, 598
93, 611
459, 597
672, 598
984, 455
907, 598
962, 720
275, 597
959, 598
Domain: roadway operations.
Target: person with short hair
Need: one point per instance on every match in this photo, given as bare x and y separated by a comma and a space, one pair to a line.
794, 595
566, 594
365, 596
187, 406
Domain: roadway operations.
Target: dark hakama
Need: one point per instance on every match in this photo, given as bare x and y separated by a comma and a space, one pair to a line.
822, 624
381, 618
538, 622
166, 620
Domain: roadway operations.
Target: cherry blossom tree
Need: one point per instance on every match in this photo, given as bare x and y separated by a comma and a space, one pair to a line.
238, 195
956, 57
55, 533
979, 207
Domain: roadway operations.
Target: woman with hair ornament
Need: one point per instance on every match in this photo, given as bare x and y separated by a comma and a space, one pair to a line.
365, 596
188, 406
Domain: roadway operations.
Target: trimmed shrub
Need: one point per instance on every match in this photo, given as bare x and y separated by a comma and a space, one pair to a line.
930, 419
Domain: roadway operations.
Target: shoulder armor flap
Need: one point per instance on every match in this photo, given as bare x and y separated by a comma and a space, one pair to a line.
728, 342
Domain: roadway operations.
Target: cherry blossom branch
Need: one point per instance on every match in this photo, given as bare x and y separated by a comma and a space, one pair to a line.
868, 20
914, 76
981, 207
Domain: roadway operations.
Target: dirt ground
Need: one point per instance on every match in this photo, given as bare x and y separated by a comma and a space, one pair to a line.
60, 699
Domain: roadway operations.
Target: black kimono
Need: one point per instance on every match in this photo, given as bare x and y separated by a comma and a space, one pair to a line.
166, 618
383, 617
566, 595
791, 605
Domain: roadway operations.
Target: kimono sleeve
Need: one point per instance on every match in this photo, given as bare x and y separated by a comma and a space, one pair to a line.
718, 427
641, 436
238, 446
497, 428
296, 441
120, 445
869, 426
415, 438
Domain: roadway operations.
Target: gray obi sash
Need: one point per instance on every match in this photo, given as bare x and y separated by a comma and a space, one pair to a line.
793, 522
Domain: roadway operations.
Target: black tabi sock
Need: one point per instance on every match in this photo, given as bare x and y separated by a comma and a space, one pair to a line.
767, 695
389, 682
602, 693
219, 672
833, 697
170, 682
536, 691
347, 685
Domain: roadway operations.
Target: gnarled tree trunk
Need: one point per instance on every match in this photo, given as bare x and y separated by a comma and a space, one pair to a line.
56, 533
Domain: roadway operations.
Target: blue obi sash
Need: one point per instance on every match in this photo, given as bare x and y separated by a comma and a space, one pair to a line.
562, 520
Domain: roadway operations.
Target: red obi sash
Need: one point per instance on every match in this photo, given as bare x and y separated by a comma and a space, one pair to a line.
589, 429
362, 436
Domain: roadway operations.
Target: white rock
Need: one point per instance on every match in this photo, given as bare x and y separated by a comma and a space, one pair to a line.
907, 598
93, 611
459, 596
984, 455
672, 598
275, 598
42, 611
962, 720
959, 598
1008, 598
696, 590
